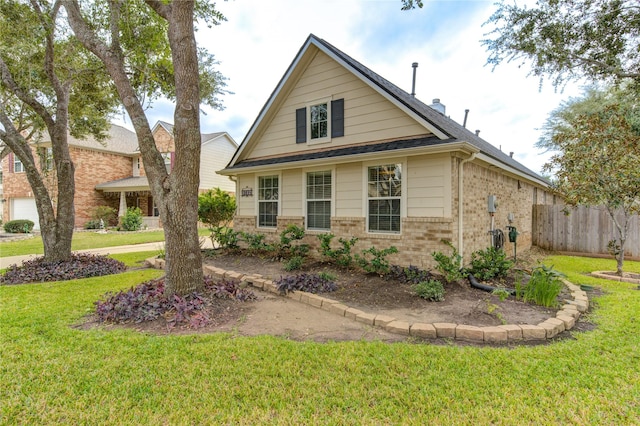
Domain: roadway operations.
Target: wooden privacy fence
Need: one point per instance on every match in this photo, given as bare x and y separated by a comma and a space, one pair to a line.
583, 230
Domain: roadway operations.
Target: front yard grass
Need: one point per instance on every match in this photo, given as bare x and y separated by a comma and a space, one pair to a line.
87, 240
52, 373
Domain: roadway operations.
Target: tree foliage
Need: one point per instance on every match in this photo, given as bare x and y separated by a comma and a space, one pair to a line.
49, 87
596, 160
569, 39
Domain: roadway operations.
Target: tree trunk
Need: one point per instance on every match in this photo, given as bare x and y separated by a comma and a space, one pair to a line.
183, 255
177, 193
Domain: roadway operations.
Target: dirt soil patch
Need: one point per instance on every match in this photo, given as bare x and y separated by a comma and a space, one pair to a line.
275, 315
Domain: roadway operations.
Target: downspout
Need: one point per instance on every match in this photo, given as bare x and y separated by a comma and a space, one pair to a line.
461, 204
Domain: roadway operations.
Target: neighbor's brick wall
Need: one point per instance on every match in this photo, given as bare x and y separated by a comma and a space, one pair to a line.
92, 168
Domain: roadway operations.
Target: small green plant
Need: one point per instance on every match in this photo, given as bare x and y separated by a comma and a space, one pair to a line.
216, 209
378, 264
492, 309
490, 263
255, 242
449, 266
294, 263
544, 286
502, 293
132, 219
430, 290
288, 237
342, 256
19, 226
327, 276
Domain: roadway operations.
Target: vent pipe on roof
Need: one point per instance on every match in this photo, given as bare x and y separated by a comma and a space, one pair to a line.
477, 132
438, 106
413, 84
511, 154
466, 114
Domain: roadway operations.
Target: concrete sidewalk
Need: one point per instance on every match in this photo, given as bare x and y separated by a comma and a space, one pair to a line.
5, 262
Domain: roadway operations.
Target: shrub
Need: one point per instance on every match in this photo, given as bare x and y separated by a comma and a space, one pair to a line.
311, 283
255, 242
19, 226
287, 248
342, 256
80, 265
147, 302
378, 263
430, 290
489, 263
109, 216
449, 266
294, 263
216, 209
544, 286
132, 219
92, 224
409, 274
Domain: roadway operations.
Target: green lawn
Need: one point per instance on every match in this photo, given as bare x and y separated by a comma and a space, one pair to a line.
87, 240
53, 373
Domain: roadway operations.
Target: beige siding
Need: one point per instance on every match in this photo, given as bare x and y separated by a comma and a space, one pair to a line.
214, 156
429, 186
291, 193
368, 116
246, 205
349, 190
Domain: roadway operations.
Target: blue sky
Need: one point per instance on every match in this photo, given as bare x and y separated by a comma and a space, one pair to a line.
261, 38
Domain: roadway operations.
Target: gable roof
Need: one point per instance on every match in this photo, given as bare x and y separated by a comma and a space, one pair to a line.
118, 140
446, 130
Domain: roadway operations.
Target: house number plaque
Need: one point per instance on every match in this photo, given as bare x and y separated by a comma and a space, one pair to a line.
246, 192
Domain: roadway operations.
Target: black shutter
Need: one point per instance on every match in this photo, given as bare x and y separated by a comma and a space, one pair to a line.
337, 118
301, 125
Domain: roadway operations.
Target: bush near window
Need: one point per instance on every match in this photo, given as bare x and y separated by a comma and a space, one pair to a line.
109, 215
132, 219
449, 266
430, 290
19, 226
78, 266
341, 256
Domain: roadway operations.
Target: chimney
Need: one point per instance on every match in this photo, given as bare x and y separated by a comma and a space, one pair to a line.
413, 85
438, 106
477, 132
466, 114
511, 154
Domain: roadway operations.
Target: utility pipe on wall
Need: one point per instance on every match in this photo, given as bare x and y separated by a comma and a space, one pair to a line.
460, 202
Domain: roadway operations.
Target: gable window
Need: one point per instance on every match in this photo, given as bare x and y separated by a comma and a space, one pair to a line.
319, 200
319, 115
384, 189
168, 160
268, 201
320, 121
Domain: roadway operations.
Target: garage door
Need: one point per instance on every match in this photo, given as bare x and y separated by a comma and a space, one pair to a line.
25, 208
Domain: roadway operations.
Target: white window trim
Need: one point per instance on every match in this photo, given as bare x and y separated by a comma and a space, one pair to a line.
308, 109
257, 198
304, 195
365, 192
17, 160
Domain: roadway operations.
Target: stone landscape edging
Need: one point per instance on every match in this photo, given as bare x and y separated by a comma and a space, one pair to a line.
564, 320
608, 276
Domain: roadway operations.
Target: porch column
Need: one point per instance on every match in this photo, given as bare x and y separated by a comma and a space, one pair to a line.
123, 204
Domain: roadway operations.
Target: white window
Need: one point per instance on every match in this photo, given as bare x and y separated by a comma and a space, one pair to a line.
384, 185
46, 159
319, 200
18, 167
319, 121
268, 201
167, 161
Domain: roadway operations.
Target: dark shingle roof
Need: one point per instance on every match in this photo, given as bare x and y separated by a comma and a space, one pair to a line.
454, 131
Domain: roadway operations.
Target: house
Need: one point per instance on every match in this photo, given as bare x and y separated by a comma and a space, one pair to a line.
337, 148
111, 173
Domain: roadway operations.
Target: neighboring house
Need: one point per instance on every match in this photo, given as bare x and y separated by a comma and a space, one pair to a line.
339, 149
110, 173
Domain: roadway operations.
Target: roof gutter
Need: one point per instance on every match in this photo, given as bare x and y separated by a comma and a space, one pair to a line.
461, 202
512, 170
437, 149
